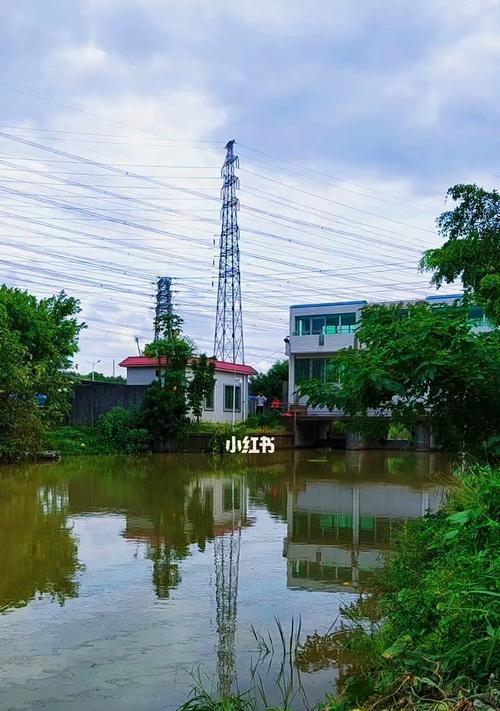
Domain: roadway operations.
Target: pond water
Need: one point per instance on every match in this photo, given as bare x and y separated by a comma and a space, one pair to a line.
125, 581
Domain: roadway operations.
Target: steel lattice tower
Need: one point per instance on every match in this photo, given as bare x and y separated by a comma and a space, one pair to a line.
228, 341
163, 301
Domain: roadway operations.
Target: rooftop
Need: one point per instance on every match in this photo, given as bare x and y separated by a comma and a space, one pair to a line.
220, 365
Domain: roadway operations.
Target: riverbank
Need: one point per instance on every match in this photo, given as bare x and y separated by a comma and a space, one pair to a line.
428, 637
118, 432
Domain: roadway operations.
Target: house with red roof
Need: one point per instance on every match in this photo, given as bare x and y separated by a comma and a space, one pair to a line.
230, 395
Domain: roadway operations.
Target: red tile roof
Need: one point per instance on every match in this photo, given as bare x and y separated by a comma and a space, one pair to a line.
220, 365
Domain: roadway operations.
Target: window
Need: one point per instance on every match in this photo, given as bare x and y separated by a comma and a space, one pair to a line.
332, 324
302, 325
209, 400
318, 324
327, 325
347, 323
301, 370
319, 369
307, 368
229, 392
477, 317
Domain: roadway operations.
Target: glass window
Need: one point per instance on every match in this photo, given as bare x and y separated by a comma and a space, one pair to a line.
301, 370
318, 323
229, 391
347, 323
477, 317
332, 324
302, 325
319, 369
210, 399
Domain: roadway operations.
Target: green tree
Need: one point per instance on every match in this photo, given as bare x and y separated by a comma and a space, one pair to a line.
270, 384
201, 384
166, 403
471, 252
101, 378
38, 339
423, 363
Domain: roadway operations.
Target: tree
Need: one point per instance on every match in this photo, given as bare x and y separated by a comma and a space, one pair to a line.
166, 403
164, 409
201, 384
270, 384
472, 248
101, 378
422, 363
38, 339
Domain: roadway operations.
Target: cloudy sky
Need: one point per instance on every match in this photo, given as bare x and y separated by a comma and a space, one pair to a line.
351, 121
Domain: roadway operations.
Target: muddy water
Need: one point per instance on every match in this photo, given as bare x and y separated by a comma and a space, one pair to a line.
123, 582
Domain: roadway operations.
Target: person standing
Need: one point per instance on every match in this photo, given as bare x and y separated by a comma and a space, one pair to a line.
260, 402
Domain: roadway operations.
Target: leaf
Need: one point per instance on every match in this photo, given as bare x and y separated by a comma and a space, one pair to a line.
399, 646
461, 517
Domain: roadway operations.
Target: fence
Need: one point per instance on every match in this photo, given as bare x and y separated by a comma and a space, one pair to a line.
94, 399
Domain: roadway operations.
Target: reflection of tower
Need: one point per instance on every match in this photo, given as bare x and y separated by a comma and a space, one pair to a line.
228, 340
227, 560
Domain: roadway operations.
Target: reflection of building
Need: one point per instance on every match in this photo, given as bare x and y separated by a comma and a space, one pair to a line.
226, 498
337, 531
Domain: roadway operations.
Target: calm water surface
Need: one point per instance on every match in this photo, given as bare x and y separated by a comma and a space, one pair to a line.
121, 579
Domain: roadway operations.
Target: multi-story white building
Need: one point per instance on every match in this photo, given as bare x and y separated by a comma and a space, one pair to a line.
229, 399
317, 332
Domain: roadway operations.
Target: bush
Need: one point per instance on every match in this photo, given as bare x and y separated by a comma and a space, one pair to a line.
116, 432
118, 429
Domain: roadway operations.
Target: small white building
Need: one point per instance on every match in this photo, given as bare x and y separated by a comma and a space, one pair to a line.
230, 395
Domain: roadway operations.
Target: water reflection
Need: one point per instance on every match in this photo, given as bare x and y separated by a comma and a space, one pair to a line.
196, 551
38, 551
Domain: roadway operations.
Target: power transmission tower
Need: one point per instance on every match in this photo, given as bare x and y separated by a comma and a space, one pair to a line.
163, 302
228, 340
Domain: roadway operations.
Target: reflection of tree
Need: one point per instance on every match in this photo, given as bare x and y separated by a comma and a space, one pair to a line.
166, 573
38, 555
201, 517
270, 490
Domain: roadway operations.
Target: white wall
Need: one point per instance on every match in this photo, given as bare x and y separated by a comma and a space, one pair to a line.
145, 376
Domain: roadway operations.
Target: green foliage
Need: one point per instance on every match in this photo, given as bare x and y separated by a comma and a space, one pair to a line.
116, 432
472, 248
438, 602
270, 384
38, 339
101, 378
118, 429
269, 420
200, 385
422, 363
164, 408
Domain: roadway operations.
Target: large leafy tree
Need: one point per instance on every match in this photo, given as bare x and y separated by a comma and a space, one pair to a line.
38, 339
421, 363
270, 384
471, 252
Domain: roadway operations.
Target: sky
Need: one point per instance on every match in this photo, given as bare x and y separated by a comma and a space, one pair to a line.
351, 120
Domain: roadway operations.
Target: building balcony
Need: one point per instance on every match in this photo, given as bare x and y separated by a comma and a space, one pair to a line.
320, 343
